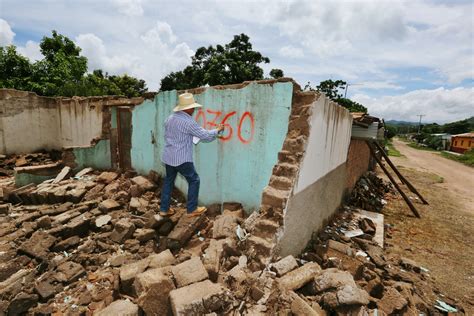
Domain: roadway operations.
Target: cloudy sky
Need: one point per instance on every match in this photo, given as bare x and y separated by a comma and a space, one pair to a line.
402, 58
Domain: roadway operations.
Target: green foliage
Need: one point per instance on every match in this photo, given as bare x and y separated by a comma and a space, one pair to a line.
233, 63
392, 151
467, 158
15, 71
434, 142
459, 127
62, 72
332, 88
276, 73
391, 131
352, 106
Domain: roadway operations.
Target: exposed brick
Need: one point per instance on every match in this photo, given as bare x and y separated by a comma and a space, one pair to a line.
183, 230
284, 266
162, 259
224, 226
274, 197
285, 170
143, 183
153, 288
119, 307
197, 299
297, 278
280, 183
189, 272
108, 205
107, 177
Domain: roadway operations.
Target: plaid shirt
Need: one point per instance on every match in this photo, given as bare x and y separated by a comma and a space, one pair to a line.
180, 128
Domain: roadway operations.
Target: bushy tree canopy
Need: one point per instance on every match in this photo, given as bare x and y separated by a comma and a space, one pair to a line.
333, 90
62, 72
234, 62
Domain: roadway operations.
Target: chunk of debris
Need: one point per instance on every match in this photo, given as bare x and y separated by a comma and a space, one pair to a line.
297, 278
62, 175
107, 177
189, 272
153, 288
367, 226
123, 230
108, 205
143, 183
119, 307
102, 220
198, 298
284, 266
69, 272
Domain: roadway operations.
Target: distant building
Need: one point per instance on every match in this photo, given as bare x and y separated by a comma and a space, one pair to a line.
462, 142
445, 140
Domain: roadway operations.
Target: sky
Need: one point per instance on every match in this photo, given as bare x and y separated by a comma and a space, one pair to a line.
400, 58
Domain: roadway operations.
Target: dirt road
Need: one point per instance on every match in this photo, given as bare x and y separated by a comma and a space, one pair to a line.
458, 179
441, 240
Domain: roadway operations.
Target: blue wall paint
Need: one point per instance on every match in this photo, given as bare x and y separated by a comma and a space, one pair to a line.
97, 156
232, 170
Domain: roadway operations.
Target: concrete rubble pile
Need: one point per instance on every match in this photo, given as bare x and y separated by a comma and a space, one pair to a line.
93, 243
8, 163
369, 192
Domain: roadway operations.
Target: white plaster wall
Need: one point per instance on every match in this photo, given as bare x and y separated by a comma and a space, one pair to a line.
29, 123
32, 129
79, 123
328, 142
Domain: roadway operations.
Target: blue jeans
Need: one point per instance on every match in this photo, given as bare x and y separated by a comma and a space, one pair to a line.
187, 171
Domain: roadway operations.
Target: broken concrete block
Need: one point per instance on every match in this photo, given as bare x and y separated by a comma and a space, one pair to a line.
299, 307
162, 259
138, 204
198, 298
67, 243
352, 295
189, 272
297, 278
339, 246
22, 303
47, 286
107, 177
153, 288
76, 195
183, 230
83, 172
38, 245
108, 205
119, 307
144, 234
332, 279
69, 272
143, 183
392, 302
44, 222
102, 220
14, 284
128, 273
274, 197
367, 226
224, 226
4, 209
123, 230
62, 175
212, 257
284, 266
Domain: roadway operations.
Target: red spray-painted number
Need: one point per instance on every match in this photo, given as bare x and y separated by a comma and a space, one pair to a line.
245, 136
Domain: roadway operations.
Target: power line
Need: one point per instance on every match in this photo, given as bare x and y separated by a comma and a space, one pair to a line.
419, 123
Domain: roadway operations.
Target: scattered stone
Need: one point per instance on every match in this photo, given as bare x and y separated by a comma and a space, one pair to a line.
162, 259
297, 278
144, 234
38, 245
189, 272
198, 298
128, 273
339, 246
392, 302
224, 226
138, 204
22, 303
62, 175
107, 177
332, 279
108, 205
183, 231
83, 172
4, 209
143, 183
120, 307
367, 226
284, 266
67, 243
153, 288
352, 295
102, 220
123, 230
299, 307
44, 222
69, 272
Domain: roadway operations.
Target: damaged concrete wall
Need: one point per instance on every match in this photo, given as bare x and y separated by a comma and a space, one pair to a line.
237, 167
358, 162
321, 179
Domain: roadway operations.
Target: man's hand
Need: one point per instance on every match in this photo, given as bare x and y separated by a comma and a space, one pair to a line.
220, 128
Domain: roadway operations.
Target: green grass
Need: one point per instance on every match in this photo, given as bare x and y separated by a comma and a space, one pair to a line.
392, 151
467, 158
416, 146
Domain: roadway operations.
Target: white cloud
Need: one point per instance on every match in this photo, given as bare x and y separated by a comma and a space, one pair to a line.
31, 50
291, 52
374, 85
129, 7
6, 33
439, 105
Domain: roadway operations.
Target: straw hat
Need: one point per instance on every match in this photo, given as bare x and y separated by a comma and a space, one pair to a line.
186, 101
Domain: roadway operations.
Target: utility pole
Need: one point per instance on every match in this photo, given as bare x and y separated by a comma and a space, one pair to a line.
419, 123
351, 84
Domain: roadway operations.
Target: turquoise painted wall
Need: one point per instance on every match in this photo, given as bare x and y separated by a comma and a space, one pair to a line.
97, 157
236, 168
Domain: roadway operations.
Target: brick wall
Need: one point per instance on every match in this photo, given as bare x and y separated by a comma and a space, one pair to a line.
358, 162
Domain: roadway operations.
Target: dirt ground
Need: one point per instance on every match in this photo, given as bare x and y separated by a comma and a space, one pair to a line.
442, 239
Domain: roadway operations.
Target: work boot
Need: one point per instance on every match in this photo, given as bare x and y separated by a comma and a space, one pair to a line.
170, 212
198, 211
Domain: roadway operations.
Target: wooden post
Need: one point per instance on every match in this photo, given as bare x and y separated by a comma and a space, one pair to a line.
407, 200
400, 176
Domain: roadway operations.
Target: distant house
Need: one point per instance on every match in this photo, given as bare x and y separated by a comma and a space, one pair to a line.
445, 140
367, 127
462, 142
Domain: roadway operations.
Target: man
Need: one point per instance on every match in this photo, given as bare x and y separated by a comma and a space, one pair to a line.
180, 128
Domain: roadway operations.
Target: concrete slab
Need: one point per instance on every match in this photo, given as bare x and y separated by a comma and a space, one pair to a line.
378, 220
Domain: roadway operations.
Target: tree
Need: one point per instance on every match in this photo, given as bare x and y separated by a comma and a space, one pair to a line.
332, 88
62, 72
276, 73
233, 63
15, 71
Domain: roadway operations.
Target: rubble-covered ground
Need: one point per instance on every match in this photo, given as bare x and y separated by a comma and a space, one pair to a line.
93, 244
8, 163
